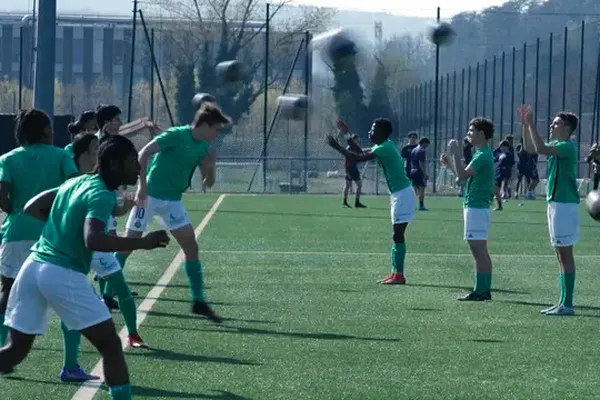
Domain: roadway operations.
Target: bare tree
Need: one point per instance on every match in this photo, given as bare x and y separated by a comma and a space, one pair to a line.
201, 33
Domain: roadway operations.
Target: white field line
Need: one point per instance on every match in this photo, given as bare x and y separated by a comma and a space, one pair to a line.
88, 390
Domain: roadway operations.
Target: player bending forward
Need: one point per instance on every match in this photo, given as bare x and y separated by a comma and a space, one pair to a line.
479, 187
168, 163
55, 274
403, 198
562, 196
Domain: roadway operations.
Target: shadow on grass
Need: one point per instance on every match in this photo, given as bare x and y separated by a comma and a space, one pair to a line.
193, 316
163, 393
534, 304
425, 309
170, 355
431, 285
270, 332
486, 341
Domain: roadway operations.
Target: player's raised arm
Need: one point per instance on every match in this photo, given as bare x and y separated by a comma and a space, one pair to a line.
538, 144
351, 155
39, 206
453, 161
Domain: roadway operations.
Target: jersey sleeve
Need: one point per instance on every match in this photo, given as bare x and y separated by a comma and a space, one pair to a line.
380, 150
169, 139
68, 166
565, 149
4, 173
477, 162
101, 205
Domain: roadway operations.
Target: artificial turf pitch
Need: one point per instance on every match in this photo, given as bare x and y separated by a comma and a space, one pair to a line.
295, 278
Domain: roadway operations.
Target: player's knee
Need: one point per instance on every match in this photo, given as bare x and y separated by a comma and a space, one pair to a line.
398, 235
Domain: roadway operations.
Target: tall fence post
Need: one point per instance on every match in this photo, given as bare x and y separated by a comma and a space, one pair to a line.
580, 105
550, 81
266, 98
132, 63
436, 110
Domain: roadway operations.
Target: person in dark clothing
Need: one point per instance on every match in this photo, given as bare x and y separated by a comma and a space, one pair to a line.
406, 150
352, 172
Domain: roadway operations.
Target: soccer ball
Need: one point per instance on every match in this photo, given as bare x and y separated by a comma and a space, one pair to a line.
230, 71
336, 45
442, 34
293, 106
200, 98
592, 202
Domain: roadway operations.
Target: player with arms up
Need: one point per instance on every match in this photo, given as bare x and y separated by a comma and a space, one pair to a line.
55, 274
562, 196
168, 163
479, 187
403, 199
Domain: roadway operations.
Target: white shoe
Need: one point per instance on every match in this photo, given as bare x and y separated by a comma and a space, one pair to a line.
547, 310
562, 310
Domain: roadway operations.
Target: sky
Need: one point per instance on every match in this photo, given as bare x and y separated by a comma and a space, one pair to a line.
421, 8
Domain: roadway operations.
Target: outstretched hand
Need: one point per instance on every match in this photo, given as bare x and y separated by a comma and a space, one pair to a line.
525, 114
453, 146
331, 141
342, 127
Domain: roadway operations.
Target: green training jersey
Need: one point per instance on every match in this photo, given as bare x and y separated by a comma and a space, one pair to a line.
69, 150
392, 165
30, 170
561, 186
62, 242
479, 188
170, 170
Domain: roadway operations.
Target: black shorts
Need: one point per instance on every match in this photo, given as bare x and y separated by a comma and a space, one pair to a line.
352, 174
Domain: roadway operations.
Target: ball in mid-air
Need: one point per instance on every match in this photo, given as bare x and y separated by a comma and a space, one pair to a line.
592, 202
336, 45
442, 34
201, 98
293, 106
230, 71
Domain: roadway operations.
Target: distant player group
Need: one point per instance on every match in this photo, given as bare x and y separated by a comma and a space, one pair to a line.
484, 173
60, 207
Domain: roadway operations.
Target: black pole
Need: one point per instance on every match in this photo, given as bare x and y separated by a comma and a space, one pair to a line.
580, 108
477, 90
266, 98
493, 113
537, 80
436, 107
160, 81
524, 72
454, 104
152, 78
307, 64
550, 81
462, 103
21, 68
430, 99
447, 108
502, 78
564, 77
131, 64
485, 70
512, 94
468, 114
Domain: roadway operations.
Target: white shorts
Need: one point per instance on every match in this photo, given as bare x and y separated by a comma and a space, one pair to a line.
563, 224
403, 204
170, 214
13, 255
104, 264
477, 223
40, 287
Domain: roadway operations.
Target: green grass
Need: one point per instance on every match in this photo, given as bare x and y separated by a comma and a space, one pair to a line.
295, 278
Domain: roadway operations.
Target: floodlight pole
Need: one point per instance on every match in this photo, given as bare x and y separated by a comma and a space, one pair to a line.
436, 106
131, 64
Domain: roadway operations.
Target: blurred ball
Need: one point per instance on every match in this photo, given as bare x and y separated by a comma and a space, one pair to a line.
336, 45
592, 202
293, 106
230, 71
200, 98
442, 34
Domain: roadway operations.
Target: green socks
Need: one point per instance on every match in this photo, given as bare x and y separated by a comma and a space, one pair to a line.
3, 330
398, 255
121, 258
71, 342
567, 285
127, 306
193, 269
483, 282
102, 285
121, 392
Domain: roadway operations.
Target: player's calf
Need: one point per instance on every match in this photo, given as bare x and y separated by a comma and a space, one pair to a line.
16, 350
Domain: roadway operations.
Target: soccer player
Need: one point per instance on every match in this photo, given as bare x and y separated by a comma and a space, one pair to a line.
403, 199
168, 163
54, 275
85, 151
479, 188
418, 171
527, 168
19, 182
562, 195
412, 139
502, 172
594, 160
352, 172
85, 123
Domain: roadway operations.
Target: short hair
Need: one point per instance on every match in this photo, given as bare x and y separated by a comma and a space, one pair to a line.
211, 114
76, 127
424, 141
412, 134
570, 119
484, 125
105, 113
509, 137
504, 143
81, 144
30, 126
113, 148
385, 125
